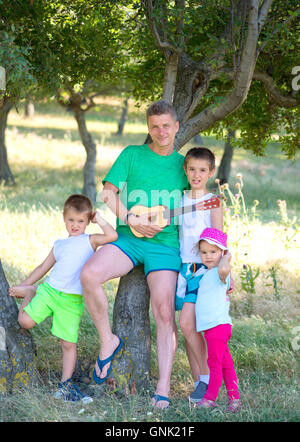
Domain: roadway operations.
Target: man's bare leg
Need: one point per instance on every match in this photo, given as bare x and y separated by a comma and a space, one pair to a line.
162, 286
107, 263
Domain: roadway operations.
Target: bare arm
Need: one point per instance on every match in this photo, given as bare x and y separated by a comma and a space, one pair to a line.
217, 218
140, 223
224, 267
109, 234
217, 223
40, 270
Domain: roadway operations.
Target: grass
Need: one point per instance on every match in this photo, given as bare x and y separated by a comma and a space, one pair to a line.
46, 157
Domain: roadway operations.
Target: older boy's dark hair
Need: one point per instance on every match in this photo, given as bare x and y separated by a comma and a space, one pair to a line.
80, 203
201, 153
161, 107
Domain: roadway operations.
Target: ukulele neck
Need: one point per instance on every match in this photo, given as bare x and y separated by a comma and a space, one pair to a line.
170, 213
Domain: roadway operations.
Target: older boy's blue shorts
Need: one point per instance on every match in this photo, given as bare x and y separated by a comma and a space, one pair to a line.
153, 256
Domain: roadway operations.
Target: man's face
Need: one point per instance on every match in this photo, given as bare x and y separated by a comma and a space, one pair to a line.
162, 129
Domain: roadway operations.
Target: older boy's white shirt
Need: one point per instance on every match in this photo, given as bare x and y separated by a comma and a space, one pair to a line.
190, 227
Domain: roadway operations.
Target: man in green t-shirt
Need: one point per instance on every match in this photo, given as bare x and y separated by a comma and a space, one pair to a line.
147, 175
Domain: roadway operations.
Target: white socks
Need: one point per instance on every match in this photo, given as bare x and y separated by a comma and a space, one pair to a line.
203, 378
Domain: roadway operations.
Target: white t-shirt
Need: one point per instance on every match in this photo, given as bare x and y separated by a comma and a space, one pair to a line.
70, 254
190, 227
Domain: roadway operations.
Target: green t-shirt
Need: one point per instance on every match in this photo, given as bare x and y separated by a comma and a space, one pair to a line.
146, 178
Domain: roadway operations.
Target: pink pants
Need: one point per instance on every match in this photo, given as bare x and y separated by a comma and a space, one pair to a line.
220, 363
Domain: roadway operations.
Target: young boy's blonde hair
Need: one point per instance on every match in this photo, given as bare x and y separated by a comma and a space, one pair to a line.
201, 153
80, 203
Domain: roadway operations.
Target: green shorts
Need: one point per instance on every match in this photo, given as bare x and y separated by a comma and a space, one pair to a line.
153, 256
65, 308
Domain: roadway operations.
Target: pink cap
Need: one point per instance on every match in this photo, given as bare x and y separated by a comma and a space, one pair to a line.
214, 236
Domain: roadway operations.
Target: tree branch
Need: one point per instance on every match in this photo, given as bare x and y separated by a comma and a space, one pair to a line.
171, 52
269, 84
263, 13
274, 92
276, 30
242, 81
164, 45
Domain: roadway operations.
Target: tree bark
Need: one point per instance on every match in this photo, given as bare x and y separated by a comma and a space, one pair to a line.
29, 108
5, 172
170, 75
225, 165
17, 368
131, 322
89, 187
123, 118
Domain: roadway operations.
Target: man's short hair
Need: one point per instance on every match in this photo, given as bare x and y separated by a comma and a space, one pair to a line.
161, 107
201, 153
80, 203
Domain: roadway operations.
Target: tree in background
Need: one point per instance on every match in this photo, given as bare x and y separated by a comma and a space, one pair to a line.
74, 48
16, 344
19, 77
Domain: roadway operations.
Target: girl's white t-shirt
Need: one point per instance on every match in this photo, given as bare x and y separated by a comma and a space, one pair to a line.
190, 227
70, 254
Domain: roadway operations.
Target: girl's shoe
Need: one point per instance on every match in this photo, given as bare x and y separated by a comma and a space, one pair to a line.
68, 392
234, 406
205, 403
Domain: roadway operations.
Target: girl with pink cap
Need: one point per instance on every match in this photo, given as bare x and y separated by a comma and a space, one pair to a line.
212, 317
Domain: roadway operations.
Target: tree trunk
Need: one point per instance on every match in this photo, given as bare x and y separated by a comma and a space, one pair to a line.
5, 172
29, 108
89, 188
225, 165
16, 345
123, 118
170, 75
131, 322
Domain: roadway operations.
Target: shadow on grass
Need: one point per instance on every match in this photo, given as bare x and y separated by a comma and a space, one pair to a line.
72, 135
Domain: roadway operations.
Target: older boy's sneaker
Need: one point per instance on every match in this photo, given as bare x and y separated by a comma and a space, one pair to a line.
234, 406
199, 392
68, 392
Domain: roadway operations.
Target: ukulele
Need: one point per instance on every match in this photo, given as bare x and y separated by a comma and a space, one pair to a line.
161, 215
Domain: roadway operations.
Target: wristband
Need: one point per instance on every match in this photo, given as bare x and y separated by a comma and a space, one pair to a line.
127, 216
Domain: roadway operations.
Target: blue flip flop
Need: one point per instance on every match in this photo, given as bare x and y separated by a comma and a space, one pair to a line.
101, 363
158, 398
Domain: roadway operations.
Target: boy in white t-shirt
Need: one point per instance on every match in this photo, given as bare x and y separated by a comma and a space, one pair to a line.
199, 166
60, 296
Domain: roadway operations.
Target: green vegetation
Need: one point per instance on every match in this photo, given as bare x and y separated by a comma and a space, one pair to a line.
46, 157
